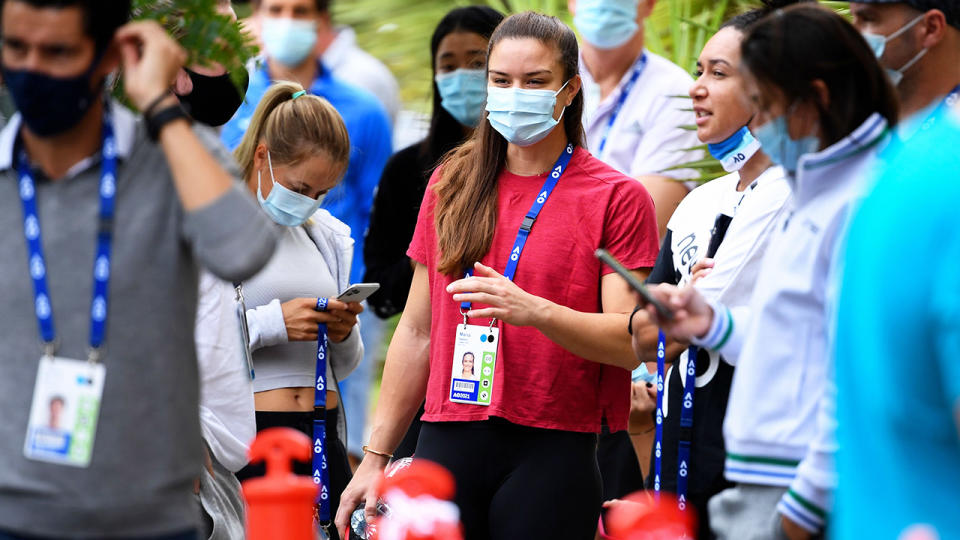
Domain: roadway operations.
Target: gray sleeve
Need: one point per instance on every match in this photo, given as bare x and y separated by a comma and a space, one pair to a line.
231, 237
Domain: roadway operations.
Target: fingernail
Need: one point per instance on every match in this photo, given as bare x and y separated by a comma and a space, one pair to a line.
649, 385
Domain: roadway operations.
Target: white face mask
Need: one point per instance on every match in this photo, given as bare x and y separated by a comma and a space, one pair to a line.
879, 44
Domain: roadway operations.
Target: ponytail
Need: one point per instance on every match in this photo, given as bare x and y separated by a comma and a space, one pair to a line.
294, 129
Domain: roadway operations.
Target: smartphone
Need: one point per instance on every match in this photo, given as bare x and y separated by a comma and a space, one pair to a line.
635, 283
358, 292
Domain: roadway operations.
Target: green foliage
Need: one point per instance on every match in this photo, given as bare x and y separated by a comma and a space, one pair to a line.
208, 36
398, 33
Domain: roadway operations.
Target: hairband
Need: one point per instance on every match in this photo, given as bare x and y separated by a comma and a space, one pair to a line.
298, 94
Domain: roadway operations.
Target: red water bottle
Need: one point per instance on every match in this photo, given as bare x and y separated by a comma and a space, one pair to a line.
280, 504
642, 516
418, 496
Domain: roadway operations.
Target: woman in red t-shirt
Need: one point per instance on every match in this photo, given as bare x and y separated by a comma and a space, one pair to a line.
550, 346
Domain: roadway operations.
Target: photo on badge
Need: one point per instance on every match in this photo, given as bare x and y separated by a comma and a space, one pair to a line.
63, 416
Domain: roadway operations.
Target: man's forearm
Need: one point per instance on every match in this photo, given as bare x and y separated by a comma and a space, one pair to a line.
198, 178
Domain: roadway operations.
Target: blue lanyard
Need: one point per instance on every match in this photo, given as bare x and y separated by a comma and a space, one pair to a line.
638, 68
527, 225
43, 306
658, 445
686, 427
321, 474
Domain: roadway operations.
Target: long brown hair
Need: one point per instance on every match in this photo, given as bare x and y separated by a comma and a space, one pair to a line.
466, 211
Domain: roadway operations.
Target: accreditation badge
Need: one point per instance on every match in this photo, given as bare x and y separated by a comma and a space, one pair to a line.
66, 406
474, 363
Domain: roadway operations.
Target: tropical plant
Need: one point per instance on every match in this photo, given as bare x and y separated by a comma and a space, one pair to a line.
398, 33
208, 36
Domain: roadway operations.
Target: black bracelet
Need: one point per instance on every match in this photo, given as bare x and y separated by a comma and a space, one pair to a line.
157, 121
630, 321
153, 104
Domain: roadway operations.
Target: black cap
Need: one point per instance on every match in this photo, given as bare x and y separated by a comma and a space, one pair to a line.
950, 8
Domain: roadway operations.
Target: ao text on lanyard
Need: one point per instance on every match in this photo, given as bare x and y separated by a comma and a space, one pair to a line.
638, 68
43, 305
321, 471
528, 220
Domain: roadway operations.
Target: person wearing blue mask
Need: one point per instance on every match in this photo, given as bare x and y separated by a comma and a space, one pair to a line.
716, 238
632, 116
521, 208
918, 42
824, 121
458, 49
295, 153
289, 34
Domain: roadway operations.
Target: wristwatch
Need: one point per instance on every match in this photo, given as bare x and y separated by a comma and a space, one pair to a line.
156, 121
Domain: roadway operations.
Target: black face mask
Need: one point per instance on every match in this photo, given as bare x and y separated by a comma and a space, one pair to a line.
50, 105
213, 100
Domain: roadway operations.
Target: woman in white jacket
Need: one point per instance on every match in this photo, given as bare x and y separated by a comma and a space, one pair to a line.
295, 150
823, 119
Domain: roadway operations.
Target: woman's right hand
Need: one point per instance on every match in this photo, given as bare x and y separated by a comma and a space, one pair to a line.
301, 318
692, 315
362, 488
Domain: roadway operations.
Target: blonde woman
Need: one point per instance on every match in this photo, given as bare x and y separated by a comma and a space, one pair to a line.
295, 150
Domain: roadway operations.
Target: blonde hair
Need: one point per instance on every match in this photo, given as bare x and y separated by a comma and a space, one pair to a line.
294, 129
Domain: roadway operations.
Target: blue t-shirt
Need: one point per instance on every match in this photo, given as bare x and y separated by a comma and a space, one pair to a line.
898, 346
370, 147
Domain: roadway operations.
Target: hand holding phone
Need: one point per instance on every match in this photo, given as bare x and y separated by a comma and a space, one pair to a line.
358, 292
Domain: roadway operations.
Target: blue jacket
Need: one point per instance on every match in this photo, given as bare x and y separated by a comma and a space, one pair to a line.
370, 147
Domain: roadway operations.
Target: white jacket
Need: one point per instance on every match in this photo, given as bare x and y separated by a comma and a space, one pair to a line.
226, 393
266, 324
771, 431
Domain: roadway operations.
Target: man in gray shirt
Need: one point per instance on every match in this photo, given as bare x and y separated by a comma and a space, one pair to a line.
175, 208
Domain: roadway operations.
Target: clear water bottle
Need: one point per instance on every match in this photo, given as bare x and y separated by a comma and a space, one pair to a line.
359, 528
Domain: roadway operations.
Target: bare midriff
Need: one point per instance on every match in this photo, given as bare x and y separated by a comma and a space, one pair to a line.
297, 399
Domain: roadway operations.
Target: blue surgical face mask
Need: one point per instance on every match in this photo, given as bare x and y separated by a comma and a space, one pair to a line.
523, 116
878, 44
641, 373
285, 206
734, 152
606, 24
463, 93
289, 41
774, 137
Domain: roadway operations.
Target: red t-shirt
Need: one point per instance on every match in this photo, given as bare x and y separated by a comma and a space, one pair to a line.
536, 382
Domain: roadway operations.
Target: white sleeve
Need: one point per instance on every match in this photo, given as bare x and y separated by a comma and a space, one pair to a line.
809, 498
346, 355
727, 331
227, 419
266, 325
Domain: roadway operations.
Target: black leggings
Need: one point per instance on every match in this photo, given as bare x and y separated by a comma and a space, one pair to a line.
336, 453
516, 482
